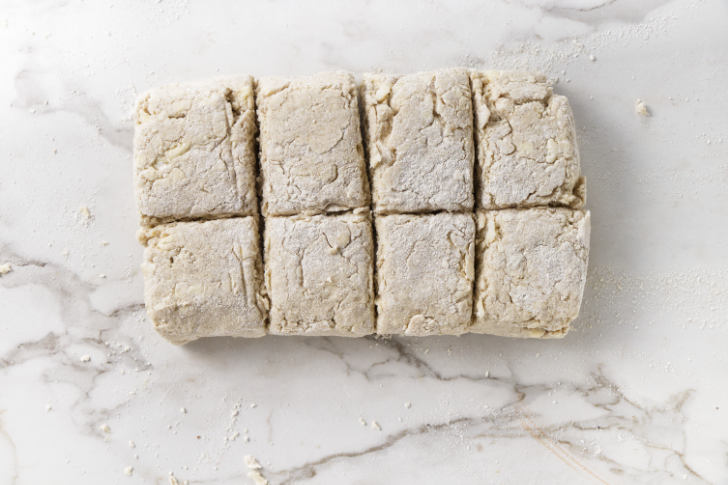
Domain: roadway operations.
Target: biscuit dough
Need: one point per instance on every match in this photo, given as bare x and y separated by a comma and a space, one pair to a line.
204, 279
530, 271
425, 271
311, 153
420, 141
319, 274
441, 145
525, 143
194, 154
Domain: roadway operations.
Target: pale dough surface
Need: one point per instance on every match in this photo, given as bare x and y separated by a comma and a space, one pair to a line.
531, 269
311, 151
525, 143
425, 271
319, 274
204, 279
420, 141
194, 154
440, 269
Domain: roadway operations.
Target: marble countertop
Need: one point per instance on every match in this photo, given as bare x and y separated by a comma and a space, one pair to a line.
637, 393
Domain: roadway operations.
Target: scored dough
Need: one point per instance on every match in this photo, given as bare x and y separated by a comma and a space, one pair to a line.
204, 279
525, 143
311, 152
319, 274
425, 270
194, 154
420, 139
530, 271
516, 267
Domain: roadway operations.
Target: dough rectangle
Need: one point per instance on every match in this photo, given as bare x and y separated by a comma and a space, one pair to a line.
204, 279
194, 151
420, 141
475, 184
530, 271
319, 274
526, 153
311, 151
425, 271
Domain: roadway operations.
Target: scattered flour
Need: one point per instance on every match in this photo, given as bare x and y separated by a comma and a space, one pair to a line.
252, 463
641, 108
254, 470
84, 215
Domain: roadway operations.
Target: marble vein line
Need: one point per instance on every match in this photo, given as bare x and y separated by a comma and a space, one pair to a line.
620, 413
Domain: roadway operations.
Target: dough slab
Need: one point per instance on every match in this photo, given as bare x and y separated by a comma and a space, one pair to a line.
319, 274
425, 271
420, 139
525, 143
311, 152
475, 195
194, 153
204, 279
531, 269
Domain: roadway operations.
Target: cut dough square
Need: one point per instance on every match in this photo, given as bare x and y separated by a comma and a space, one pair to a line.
204, 279
525, 143
425, 271
530, 271
312, 158
194, 151
420, 141
319, 274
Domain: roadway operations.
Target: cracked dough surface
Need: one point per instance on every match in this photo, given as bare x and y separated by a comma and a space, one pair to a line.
194, 153
319, 274
312, 158
204, 279
425, 270
525, 143
420, 138
515, 271
531, 268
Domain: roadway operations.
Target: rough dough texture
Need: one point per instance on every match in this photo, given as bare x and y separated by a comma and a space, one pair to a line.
425, 270
525, 143
204, 279
420, 141
311, 153
194, 154
319, 274
531, 268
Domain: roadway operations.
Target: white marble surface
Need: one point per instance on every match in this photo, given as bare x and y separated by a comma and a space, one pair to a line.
637, 393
